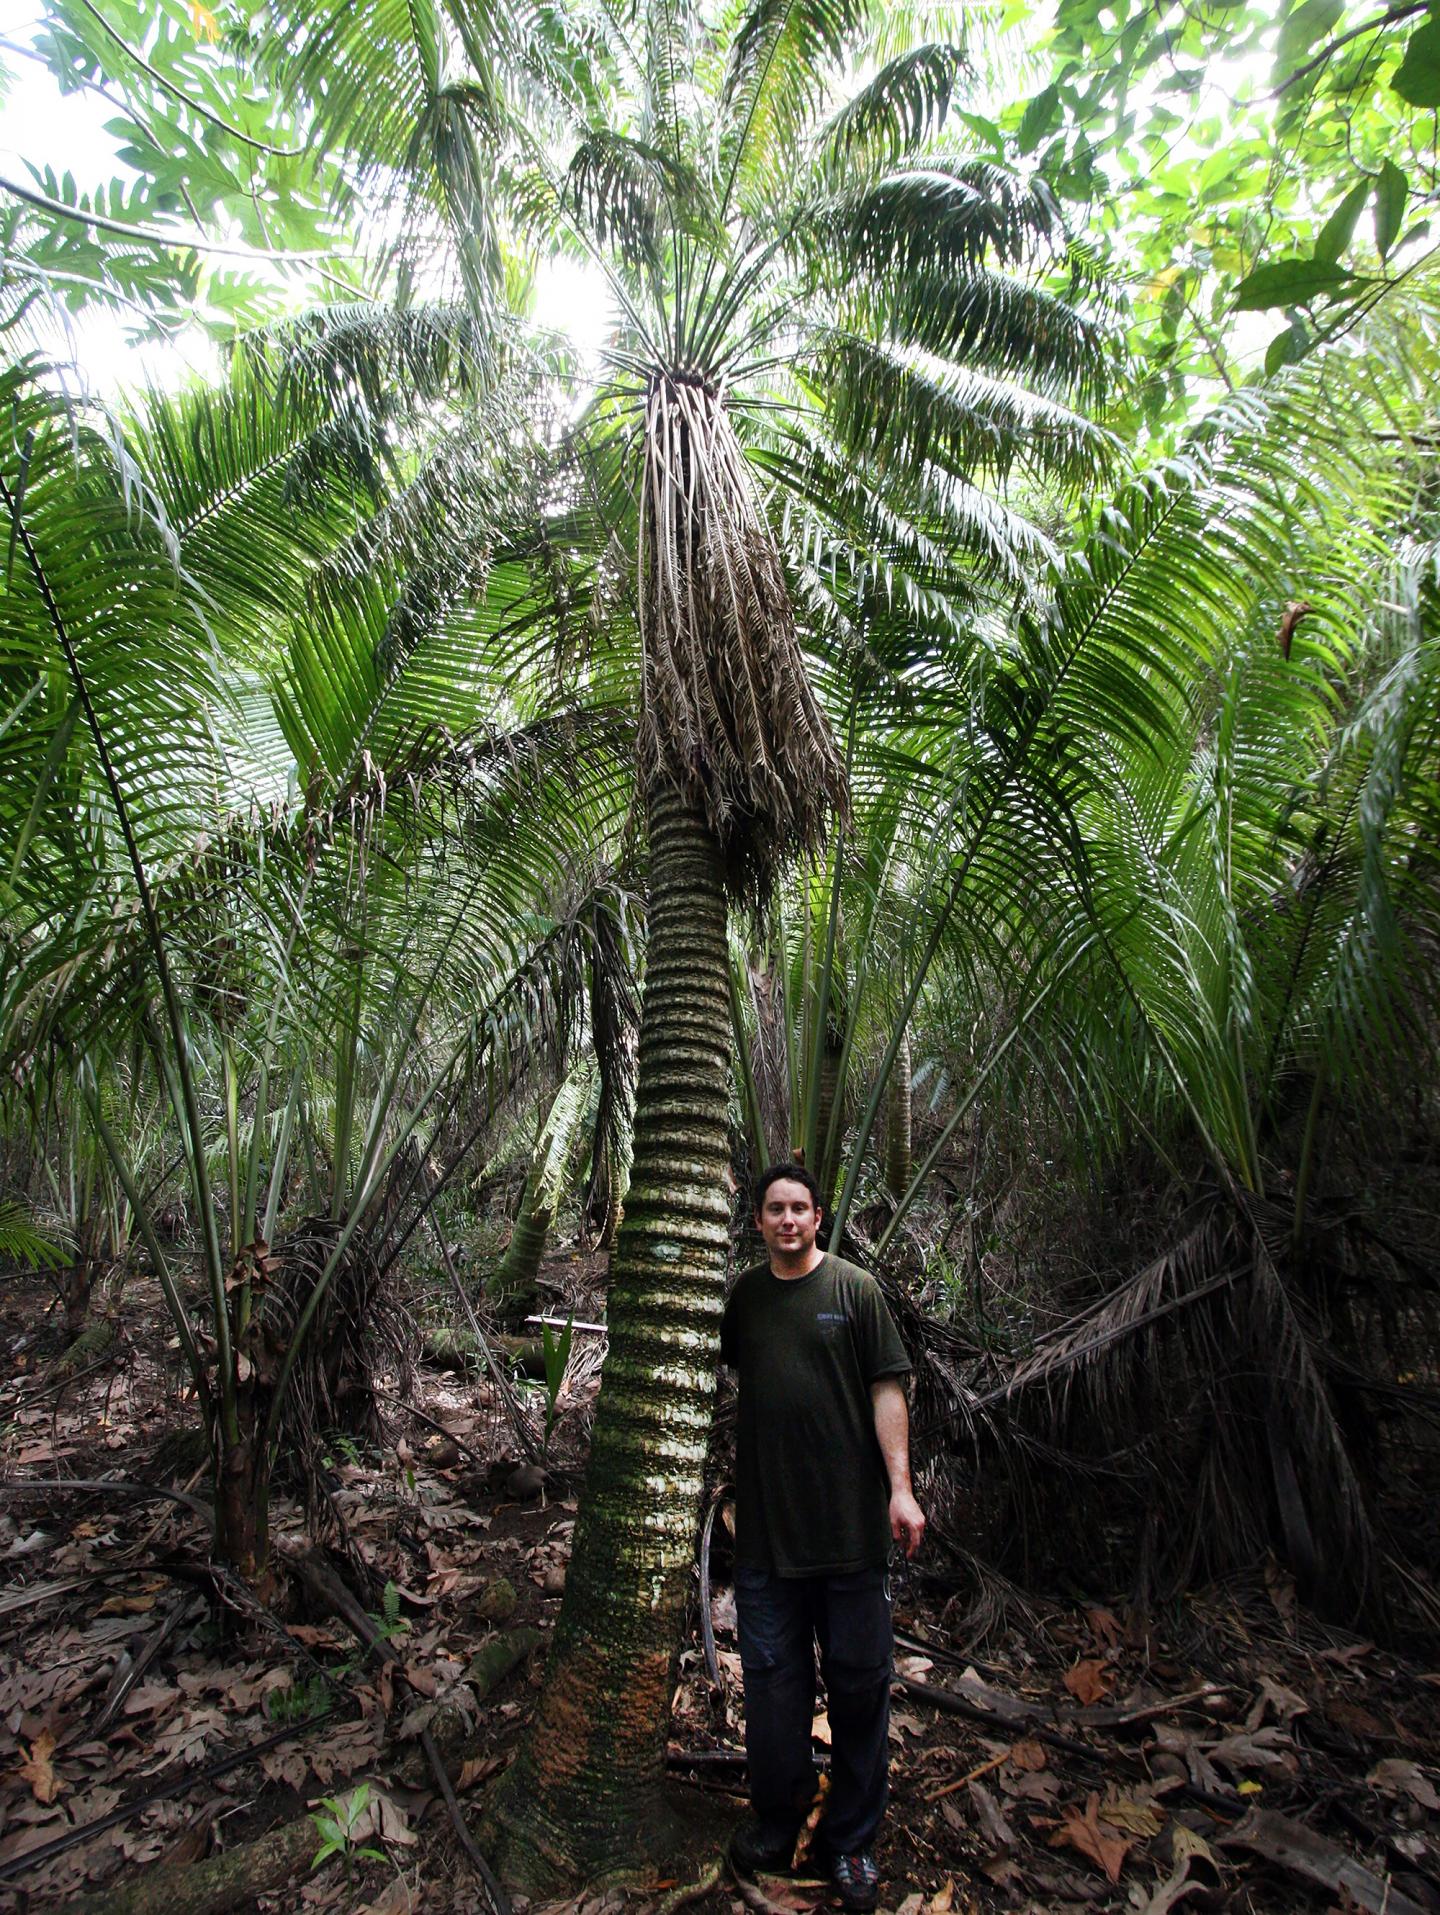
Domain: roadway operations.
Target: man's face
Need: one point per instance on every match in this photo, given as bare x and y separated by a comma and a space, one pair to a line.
787, 1218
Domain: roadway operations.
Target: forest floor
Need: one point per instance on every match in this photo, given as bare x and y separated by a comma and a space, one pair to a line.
1227, 1752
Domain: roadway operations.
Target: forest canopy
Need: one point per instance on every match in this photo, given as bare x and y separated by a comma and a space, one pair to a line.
694, 583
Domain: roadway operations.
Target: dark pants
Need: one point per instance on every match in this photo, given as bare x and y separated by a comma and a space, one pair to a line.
780, 1620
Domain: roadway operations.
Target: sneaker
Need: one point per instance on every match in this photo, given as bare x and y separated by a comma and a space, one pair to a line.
856, 1881
759, 1847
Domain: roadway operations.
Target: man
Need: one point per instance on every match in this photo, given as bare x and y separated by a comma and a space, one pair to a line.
822, 1486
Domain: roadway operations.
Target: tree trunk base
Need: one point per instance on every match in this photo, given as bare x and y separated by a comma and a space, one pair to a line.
663, 1833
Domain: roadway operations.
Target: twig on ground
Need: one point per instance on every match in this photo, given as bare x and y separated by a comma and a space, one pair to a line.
177, 1785
115, 1485
981, 1768
431, 1423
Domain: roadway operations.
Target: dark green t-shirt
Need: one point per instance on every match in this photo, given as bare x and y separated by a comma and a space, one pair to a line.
811, 1494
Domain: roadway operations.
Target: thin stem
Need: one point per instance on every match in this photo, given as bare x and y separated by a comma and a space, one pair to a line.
190, 1103
178, 92
154, 235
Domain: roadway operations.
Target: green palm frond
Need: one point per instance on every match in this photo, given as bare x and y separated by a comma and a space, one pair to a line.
922, 415
627, 191
410, 94
782, 55
940, 215
902, 108
991, 321
95, 608
23, 1240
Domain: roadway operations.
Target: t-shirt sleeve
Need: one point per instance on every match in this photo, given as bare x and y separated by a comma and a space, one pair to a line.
881, 1351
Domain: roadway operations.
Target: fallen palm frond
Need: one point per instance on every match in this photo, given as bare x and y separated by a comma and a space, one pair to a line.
1234, 1398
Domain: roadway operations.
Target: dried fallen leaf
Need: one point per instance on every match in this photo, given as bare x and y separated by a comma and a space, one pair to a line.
1169, 1895
1352, 1716
192, 1846
1090, 1680
1187, 1842
397, 1898
475, 1769
1028, 1754
820, 1729
988, 1813
941, 1902
1395, 1776
903, 1724
1083, 1830
1280, 1587
1035, 1785
1270, 1748
1350, 1652
1275, 1699
1139, 1819
1105, 1626
126, 1606
383, 1818
421, 1679
38, 1770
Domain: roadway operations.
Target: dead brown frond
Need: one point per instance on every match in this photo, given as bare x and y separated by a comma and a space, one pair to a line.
360, 1332
1194, 1266
729, 717
1205, 1392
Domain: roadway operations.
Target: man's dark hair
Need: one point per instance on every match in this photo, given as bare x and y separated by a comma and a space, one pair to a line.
793, 1173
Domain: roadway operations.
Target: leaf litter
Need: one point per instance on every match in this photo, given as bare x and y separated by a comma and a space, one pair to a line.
1065, 1807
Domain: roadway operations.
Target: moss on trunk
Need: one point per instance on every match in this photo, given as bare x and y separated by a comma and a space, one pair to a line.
578, 1801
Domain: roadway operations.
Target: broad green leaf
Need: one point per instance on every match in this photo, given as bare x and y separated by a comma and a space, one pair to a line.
1391, 191
1289, 282
1286, 348
1418, 77
1307, 24
1338, 231
1040, 115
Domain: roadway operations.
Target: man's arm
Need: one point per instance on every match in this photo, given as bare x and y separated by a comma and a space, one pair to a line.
892, 1430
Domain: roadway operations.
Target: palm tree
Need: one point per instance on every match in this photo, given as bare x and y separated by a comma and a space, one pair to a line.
828, 341
1192, 866
261, 819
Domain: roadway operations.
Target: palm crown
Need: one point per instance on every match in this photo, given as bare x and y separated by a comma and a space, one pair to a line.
832, 357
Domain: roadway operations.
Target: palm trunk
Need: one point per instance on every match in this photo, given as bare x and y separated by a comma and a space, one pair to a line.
897, 1124
515, 1286
581, 1798
80, 1278
827, 1162
242, 1489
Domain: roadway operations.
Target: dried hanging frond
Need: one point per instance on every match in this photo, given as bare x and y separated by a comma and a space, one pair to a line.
729, 719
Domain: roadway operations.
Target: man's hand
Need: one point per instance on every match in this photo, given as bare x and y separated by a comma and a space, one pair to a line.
907, 1520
